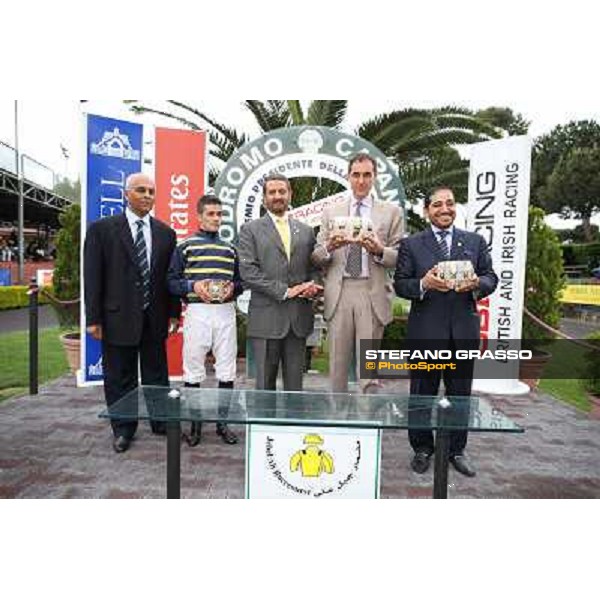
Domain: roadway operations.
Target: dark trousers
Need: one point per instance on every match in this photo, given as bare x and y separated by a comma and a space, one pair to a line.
421, 440
269, 353
120, 365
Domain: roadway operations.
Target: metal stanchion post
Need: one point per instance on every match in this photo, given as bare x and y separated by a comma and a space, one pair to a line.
442, 451
33, 336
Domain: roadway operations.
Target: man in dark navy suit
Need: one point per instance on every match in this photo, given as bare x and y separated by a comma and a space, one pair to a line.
127, 303
442, 313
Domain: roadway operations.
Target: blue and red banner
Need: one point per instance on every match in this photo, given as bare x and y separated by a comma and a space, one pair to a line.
113, 152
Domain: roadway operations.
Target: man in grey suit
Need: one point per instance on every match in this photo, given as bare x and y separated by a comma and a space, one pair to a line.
274, 253
358, 291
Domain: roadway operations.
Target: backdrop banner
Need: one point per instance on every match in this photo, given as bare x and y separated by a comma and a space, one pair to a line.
113, 152
498, 209
180, 173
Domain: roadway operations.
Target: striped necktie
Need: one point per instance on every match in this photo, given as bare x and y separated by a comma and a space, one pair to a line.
354, 256
443, 244
142, 258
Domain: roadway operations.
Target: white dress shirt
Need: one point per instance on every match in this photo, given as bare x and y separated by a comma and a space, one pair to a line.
366, 206
132, 219
285, 217
447, 239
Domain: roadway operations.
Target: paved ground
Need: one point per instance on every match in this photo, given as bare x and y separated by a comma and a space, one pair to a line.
18, 319
577, 328
54, 446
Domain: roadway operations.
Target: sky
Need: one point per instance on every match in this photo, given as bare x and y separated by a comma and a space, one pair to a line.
45, 125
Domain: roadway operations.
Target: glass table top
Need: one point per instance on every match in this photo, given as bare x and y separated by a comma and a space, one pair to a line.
316, 408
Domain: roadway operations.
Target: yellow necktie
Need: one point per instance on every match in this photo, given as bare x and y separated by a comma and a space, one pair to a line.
284, 234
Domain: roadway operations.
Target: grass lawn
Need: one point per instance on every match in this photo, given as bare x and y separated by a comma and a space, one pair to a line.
14, 360
569, 391
320, 363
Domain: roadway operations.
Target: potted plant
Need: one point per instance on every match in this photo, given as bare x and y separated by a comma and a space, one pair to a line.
544, 281
66, 299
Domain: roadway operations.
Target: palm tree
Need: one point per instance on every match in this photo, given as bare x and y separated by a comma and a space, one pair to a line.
420, 141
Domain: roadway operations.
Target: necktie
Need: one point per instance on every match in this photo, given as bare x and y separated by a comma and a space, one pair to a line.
443, 244
354, 257
142, 258
284, 234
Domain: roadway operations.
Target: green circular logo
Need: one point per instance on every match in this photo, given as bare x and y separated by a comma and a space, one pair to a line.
303, 151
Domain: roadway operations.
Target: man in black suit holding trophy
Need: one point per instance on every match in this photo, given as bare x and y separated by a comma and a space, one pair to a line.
443, 310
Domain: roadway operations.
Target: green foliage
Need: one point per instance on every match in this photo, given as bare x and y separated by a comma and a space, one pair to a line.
504, 118
582, 254
414, 221
573, 188
396, 330
443, 166
308, 189
66, 272
578, 235
400, 307
549, 149
592, 365
320, 363
419, 138
15, 296
269, 114
544, 278
414, 134
69, 189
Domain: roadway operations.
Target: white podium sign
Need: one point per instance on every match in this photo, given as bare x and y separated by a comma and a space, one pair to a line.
312, 462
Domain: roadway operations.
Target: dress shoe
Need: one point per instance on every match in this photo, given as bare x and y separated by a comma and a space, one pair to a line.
195, 434
120, 444
459, 462
420, 462
226, 434
158, 428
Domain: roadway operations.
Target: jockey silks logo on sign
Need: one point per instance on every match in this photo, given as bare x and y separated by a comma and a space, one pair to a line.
297, 462
306, 151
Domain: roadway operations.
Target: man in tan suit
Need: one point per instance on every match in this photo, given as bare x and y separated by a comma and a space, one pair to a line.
358, 291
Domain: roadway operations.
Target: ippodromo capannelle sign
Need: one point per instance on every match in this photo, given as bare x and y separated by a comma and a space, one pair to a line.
304, 151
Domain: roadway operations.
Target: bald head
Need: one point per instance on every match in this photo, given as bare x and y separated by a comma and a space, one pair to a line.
135, 178
140, 192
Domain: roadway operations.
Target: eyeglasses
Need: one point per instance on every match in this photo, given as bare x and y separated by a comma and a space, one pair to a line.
140, 189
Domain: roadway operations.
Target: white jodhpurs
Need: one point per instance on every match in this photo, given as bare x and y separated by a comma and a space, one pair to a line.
209, 327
